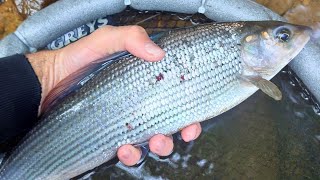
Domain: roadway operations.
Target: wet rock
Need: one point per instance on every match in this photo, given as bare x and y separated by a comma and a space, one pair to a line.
29, 7
277, 6
9, 18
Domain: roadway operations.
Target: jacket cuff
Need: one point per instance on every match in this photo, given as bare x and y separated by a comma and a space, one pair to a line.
20, 95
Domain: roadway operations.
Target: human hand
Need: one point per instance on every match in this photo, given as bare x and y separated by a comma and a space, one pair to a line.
52, 67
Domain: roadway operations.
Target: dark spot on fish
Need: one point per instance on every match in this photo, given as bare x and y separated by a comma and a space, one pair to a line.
129, 126
182, 78
159, 77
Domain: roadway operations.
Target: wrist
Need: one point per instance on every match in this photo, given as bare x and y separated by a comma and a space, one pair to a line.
44, 65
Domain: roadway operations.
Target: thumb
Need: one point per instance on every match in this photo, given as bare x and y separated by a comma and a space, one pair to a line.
108, 40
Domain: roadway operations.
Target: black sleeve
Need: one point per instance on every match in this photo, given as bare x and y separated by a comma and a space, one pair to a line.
20, 95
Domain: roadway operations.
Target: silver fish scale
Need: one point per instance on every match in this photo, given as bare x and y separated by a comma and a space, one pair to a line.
130, 101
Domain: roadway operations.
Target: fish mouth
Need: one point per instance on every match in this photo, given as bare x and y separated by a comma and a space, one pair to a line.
305, 33
303, 38
307, 30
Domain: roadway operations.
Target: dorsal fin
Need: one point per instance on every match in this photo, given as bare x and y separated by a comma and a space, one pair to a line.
77, 79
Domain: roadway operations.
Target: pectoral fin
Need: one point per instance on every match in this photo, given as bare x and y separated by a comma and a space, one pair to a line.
266, 86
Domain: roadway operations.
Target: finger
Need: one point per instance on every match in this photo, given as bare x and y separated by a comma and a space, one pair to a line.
161, 145
191, 132
129, 155
108, 40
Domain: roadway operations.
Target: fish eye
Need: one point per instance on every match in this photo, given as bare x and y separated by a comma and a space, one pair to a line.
283, 34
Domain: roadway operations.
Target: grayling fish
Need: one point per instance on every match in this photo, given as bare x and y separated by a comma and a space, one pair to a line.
207, 70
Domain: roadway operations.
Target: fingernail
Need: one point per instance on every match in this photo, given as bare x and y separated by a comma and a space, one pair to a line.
153, 49
192, 136
127, 154
160, 145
